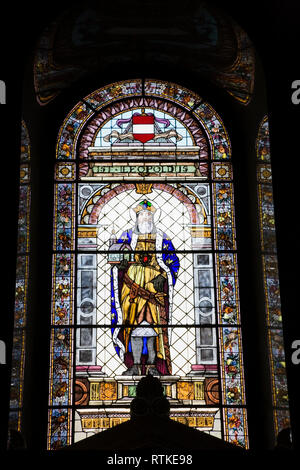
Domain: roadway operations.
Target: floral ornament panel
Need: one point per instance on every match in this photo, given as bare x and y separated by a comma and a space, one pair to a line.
59, 428
63, 287
175, 92
264, 173
23, 218
25, 143
267, 218
21, 291
68, 132
263, 141
236, 427
64, 216
65, 171
231, 364
114, 91
219, 140
224, 216
272, 290
228, 294
222, 171
61, 366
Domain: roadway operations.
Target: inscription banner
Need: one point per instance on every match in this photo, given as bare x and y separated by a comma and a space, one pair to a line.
96, 170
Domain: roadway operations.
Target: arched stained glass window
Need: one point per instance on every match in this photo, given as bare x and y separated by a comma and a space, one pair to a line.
21, 287
145, 275
271, 280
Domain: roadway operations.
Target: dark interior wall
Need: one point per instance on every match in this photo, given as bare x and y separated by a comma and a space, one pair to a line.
270, 25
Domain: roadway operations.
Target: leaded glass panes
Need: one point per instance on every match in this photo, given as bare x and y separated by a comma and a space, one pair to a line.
144, 247
281, 413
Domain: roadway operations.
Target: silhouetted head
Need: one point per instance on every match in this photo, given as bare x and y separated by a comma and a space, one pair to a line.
150, 399
284, 440
149, 387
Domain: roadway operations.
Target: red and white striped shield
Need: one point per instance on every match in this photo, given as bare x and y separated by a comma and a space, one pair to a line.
143, 127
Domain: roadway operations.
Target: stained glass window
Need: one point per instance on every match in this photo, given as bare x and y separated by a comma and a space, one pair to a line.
21, 288
271, 280
145, 276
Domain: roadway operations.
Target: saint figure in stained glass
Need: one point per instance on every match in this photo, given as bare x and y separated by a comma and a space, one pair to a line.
142, 292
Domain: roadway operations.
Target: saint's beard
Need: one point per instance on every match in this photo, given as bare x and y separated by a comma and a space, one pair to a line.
145, 226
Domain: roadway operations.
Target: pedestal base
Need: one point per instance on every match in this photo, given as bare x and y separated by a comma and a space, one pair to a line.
92, 421
204, 369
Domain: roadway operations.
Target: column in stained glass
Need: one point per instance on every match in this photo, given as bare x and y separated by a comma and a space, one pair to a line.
281, 413
21, 288
230, 338
62, 311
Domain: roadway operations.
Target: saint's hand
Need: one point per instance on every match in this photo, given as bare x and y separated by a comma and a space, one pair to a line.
123, 265
158, 283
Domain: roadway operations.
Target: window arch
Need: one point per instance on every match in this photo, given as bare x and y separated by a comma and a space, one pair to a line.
154, 148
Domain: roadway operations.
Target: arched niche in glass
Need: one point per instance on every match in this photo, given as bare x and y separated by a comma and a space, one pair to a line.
145, 275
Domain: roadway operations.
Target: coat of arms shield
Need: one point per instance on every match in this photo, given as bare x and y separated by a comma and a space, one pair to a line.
143, 127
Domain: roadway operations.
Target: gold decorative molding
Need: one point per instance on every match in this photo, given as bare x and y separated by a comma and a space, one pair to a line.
195, 421
83, 232
95, 391
108, 391
199, 391
185, 391
104, 390
200, 232
143, 188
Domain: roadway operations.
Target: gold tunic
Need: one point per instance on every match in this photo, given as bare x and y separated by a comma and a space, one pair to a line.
138, 309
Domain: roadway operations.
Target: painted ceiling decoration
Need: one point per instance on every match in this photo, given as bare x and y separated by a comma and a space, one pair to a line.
84, 40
